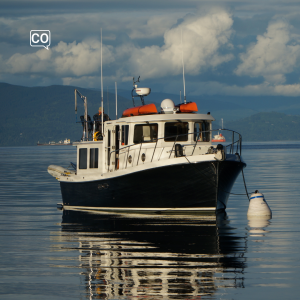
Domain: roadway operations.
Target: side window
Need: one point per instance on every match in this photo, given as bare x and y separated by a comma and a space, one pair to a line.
206, 131
83, 158
94, 158
124, 138
202, 131
198, 132
176, 131
145, 133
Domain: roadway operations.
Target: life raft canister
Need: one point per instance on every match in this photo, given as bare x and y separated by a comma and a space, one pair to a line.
147, 109
189, 107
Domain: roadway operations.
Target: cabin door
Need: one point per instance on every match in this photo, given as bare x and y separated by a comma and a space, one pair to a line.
112, 142
108, 147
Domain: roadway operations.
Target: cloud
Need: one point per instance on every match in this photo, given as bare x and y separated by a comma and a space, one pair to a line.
154, 27
73, 59
275, 54
149, 44
82, 58
203, 37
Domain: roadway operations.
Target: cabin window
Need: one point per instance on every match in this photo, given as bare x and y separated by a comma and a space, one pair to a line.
94, 158
145, 133
176, 131
124, 138
83, 158
202, 131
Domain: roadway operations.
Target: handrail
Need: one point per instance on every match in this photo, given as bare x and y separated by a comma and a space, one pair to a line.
174, 136
234, 146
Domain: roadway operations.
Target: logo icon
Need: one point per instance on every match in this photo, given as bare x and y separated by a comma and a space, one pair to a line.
40, 38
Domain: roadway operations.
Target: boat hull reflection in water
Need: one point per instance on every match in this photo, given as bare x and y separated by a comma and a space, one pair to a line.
155, 256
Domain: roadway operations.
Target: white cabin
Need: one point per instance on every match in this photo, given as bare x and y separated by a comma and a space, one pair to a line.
139, 140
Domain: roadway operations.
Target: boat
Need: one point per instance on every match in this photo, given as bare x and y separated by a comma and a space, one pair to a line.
218, 138
60, 143
150, 160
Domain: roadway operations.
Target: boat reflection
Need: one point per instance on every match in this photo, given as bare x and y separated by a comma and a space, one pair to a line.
155, 256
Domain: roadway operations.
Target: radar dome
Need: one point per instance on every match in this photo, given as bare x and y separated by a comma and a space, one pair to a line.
167, 106
143, 91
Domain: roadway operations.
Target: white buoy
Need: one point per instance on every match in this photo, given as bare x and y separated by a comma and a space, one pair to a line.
258, 206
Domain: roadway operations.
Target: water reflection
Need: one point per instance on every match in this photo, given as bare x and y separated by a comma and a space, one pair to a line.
155, 256
258, 224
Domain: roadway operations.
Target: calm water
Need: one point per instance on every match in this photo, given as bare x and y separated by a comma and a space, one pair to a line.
46, 253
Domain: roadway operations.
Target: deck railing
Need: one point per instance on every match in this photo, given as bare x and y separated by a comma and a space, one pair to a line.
232, 147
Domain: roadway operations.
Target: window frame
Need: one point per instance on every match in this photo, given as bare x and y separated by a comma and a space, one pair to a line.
94, 158
153, 133
83, 153
182, 137
205, 131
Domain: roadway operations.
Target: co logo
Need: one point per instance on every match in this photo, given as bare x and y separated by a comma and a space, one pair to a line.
40, 38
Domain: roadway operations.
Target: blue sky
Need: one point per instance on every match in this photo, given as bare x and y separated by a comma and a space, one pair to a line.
229, 47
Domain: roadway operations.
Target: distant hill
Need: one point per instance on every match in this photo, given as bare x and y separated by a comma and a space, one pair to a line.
32, 114
268, 126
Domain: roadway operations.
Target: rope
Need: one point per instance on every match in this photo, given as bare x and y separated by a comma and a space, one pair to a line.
244, 178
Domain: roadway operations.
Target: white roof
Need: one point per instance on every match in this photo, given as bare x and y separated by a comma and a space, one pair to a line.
163, 117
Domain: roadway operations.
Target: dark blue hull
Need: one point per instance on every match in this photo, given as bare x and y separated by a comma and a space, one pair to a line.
204, 185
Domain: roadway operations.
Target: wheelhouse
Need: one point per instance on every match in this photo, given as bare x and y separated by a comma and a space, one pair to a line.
131, 141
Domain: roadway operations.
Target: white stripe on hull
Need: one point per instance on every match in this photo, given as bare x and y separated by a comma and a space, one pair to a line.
135, 209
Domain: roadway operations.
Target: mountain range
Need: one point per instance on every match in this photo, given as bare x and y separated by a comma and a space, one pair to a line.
42, 114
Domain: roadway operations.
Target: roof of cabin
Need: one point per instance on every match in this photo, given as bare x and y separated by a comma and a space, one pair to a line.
164, 117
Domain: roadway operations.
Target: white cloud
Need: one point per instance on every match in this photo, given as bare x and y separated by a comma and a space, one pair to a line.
82, 58
38, 62
154, 27
202, 39
275, 54
207, 43
74, 59
203, 36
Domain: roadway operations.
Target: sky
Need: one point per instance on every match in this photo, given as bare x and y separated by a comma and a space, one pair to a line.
238, 48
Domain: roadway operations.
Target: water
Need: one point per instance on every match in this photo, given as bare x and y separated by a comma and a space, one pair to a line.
46, 253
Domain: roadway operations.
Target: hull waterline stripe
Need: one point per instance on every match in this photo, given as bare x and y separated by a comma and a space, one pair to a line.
140, 209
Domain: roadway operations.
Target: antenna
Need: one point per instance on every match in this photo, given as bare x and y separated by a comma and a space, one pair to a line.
101, 89
116, 92
180, 97
134, 87
141, 92
107, 103
184, 99
75, 102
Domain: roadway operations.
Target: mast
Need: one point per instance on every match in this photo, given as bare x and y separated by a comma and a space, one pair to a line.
85, 125
107, 103
184, 96
116, 92
101, 90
